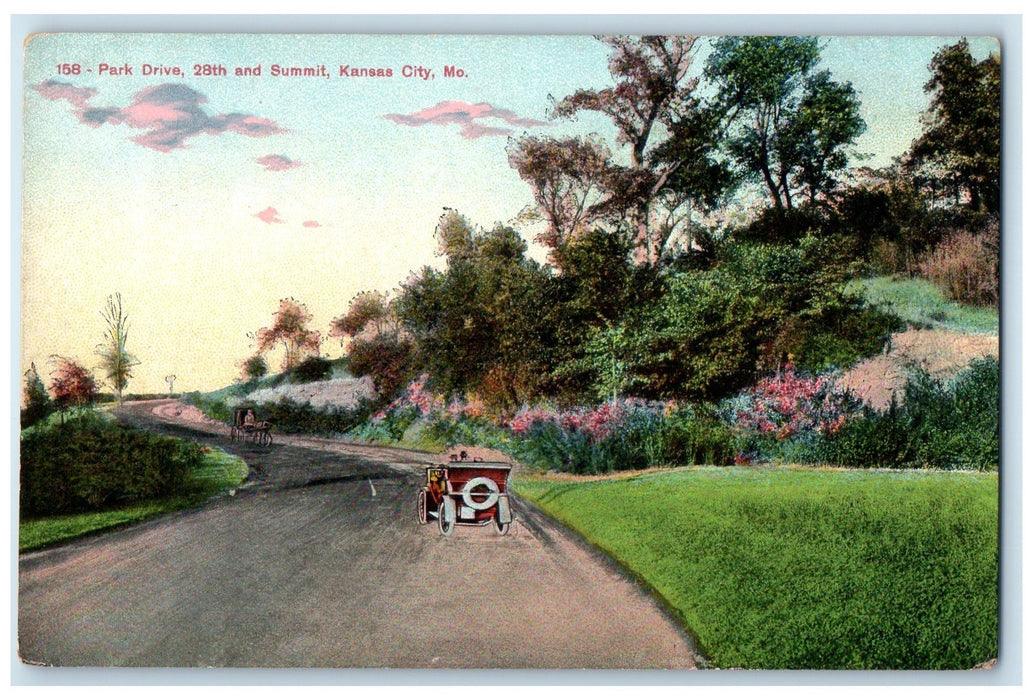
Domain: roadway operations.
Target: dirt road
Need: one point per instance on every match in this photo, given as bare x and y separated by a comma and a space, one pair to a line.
320, 562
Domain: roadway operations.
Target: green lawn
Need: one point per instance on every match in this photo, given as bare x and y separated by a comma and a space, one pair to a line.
920, 303
218, 473
783, 568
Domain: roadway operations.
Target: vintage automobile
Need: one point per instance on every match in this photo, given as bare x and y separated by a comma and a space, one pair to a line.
466, 493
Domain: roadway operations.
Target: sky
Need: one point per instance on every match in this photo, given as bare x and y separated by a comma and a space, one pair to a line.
204, 198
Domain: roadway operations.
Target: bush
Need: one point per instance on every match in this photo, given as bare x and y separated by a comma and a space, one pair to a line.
290, 417
619, 436
253, 368
955, 425
311, 369
38, 404
387, 361
965, 266
85, 463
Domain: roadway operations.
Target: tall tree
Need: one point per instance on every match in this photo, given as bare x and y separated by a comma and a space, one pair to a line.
115, 360
959, 153
290, 330
578, 183
788, 125
478, 325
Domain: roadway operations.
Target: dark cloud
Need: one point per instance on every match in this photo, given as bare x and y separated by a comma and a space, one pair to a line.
168, 114
468, 116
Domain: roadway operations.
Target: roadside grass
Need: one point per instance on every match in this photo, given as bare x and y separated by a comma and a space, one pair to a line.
218, 472
920, 303
793, 568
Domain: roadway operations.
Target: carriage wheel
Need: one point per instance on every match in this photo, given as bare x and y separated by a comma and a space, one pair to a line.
421, 507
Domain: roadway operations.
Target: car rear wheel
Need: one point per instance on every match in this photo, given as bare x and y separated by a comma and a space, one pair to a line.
445, 525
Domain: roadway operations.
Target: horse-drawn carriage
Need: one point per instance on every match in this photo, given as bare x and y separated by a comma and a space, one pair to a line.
246, 427
466, 493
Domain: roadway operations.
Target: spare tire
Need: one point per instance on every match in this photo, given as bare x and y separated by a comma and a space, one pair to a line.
491, 497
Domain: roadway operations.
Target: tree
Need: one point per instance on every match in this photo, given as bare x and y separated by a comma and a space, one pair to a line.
479, 326
72, 384
788, 126
116, 362
580, 183
37, 403
254, 367
377, 348
959, 153
289, 330
366, 309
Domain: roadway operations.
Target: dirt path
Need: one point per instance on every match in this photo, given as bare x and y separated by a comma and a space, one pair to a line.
320, 562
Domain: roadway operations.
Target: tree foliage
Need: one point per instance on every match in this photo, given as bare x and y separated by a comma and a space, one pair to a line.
289, 330
71, 384
366, 308
254, 367
36, 402
637, 190
789, 125
479, 323
958, 156
116, 361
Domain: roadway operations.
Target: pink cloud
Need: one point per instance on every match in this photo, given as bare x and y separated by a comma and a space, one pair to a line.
56, 90
467, 116
311, 224
169, 114
277, 162
270, 216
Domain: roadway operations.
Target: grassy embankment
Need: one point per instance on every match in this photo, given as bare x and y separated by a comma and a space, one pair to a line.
783, 568
217, 473
922, 304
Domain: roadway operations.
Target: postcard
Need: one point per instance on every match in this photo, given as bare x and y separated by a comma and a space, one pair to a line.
472, 351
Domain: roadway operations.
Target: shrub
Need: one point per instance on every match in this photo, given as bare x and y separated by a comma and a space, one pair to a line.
254, 368
311, 369
37, 402
618, 436
387, 361
290, 417
86, 463
954, 425
966, 266
72, 384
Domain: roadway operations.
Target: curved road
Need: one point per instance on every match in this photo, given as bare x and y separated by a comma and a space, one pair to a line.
319, 561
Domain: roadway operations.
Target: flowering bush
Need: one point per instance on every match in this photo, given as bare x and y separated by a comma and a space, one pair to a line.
787, 404
621, 435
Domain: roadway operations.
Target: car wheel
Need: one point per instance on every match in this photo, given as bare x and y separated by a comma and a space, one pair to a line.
500, 527
445, 526
421, 507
